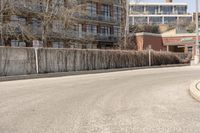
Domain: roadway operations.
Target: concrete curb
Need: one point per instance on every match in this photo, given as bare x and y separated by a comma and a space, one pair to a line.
195, 90
61, 74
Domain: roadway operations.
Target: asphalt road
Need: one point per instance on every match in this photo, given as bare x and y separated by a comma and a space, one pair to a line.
138, 101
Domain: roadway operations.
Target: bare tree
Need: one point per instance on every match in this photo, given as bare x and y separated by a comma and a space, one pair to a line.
54, 17
126, 39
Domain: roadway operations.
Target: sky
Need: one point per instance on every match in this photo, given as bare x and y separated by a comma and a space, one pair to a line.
191, 3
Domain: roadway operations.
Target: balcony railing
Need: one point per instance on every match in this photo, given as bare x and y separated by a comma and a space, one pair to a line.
106, 38
100, 18
66, 35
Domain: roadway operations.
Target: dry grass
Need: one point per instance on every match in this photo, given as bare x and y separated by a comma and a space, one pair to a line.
62, 60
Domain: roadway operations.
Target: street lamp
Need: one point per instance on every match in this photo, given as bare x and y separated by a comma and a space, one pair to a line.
196, 57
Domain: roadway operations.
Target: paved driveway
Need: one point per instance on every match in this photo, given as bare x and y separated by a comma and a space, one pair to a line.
139, 101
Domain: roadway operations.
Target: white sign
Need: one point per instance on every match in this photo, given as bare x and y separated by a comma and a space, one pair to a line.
36, 43
186, 39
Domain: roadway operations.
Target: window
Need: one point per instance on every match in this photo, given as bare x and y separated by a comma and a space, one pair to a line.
117, 14
14, 43
180, 9
117, 2
140, 20
92, 9
17, 43
17, 20
106, 12
131, 20
137, 9
170, 20
185, 20
166, 9
58, 3
105, 30
152, 9
36, 26
58, 26
92, 29
58, 45
190, 49
117, 32
155, 20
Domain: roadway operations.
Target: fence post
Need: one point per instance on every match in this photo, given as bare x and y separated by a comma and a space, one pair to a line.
149, 55
36, 60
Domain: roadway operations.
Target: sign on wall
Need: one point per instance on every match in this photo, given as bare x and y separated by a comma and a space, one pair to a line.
37, 43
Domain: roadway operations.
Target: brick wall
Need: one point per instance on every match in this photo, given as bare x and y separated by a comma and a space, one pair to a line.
144, 41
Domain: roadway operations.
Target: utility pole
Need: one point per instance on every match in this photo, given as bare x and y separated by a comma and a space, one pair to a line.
196, 57
1, 23
150, 55
127, 23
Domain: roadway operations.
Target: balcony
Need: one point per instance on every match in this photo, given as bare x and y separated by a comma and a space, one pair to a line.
100, 18
64, 34
106, 38
107, 2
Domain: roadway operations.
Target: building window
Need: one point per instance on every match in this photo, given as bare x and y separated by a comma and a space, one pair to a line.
117, 2
190, 49
152, 9
58, 45
17, 43
170, 20
58, 26
180, 9
58, 3
166, 9
131, 20
185, 20
140, 20
105, 30
17, 20
14, 43
92, 29
137, 9
92, 9
16, 23
155, 20
117, 14
117, 31
106, 12
36, 26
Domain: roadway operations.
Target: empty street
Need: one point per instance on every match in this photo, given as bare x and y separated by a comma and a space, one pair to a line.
137, 101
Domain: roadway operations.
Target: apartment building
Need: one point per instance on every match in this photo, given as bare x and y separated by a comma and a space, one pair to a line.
159, 13
99, 26
194, 17
103, 21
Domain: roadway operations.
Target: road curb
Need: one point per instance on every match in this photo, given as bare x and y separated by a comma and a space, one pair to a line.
61, 74
195, 90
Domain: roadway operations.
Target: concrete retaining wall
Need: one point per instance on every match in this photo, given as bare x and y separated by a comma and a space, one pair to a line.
21, 61
15, 61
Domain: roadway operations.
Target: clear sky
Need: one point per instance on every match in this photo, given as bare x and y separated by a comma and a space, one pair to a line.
191, 3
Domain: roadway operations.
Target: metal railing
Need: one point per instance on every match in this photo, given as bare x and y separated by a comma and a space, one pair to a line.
70, 34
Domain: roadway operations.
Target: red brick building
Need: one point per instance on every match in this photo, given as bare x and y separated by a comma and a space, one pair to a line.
166, 42
143, 40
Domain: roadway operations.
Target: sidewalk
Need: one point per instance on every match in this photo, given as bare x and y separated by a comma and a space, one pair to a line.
195, 90
61, 74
